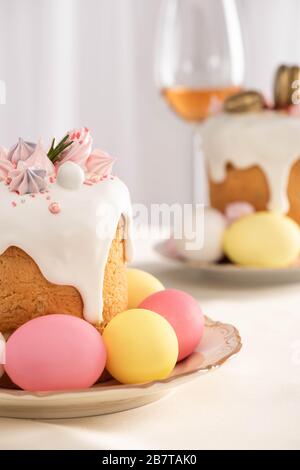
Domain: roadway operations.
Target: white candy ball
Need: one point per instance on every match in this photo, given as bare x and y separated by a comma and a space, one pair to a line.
2, 354
70, 176
213, 227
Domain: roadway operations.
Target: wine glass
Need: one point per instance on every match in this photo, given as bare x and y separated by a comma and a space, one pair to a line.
199, 61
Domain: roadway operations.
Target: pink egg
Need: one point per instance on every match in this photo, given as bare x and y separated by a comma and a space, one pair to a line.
55, 352
2, 354
183, 312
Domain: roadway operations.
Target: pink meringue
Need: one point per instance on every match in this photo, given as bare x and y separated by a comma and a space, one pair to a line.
99, 164
5, 165
236, 210
39, 160
28, 180
21, 151
80, 149
3, 152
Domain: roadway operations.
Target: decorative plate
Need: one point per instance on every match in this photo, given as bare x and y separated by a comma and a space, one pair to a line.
226, 271
219, 343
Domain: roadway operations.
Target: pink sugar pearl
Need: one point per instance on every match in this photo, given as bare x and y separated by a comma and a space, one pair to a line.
54, 208
182, 311
55, 352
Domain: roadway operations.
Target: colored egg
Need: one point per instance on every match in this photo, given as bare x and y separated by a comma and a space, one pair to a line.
140, 285
141, 347
55, 352
201, 236
2, 354
263, 239
182, 311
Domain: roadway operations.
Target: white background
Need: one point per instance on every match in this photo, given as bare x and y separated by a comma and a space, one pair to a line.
69, 63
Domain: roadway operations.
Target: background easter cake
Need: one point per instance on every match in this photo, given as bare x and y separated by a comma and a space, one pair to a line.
251, 150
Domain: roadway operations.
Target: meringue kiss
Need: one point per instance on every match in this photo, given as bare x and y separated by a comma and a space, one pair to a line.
80, 149
28, 180
20, 151
99, 163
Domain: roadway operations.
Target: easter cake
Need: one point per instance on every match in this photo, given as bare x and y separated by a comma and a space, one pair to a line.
252, 155
252, 149
69, 307
64, 226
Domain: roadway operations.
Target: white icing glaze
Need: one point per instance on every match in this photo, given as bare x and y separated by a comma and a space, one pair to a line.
71, 247
268, 139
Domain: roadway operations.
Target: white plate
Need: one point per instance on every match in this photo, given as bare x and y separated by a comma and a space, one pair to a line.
219, 343
232, 272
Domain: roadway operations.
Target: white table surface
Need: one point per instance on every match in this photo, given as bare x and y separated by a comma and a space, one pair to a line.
252, 402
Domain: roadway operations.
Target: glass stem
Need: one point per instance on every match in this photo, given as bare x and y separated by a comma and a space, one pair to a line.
199, 173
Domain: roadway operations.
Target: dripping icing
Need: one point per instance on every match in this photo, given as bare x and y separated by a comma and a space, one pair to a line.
270, 140
69, 247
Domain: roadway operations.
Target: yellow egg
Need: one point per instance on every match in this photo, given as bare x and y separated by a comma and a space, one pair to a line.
140, 286
141, 346
263, 239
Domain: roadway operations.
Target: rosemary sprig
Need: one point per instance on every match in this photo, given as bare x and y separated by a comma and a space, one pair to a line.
55, 150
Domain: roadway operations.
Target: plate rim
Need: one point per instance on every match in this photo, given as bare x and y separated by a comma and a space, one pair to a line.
219, 267
149, 387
